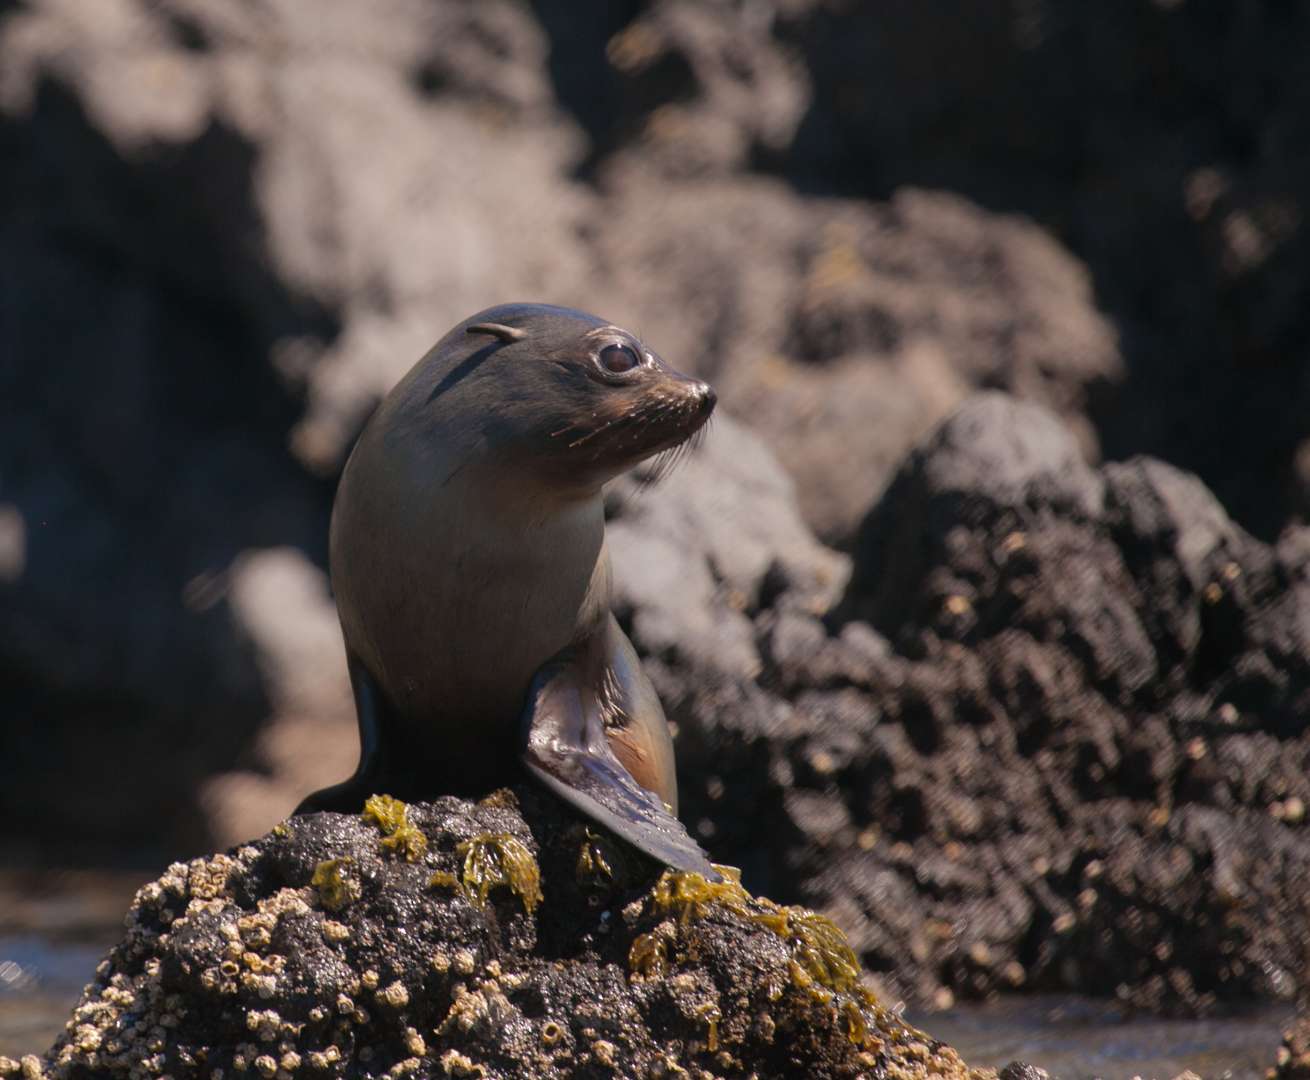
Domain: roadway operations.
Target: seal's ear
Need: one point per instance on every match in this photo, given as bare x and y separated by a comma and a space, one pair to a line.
507, 334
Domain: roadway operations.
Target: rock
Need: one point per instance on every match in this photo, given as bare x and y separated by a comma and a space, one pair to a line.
1018, 1070
282, 601
699, 89
718, 538
1185, 225
486, 942
1186, 206
1047, 740
842, 331
1292, 1061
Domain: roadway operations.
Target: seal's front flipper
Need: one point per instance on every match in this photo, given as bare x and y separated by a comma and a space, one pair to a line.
567, 750
348, 796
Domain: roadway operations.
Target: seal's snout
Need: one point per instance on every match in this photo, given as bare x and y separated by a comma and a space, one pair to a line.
707, 398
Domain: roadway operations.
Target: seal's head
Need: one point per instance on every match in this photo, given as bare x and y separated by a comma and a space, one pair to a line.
575, 396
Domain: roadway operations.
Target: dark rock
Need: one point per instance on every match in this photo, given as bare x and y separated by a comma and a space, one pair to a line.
1077, 770
1019, 1070
1292, 1061
1182, 190
317, 949
702, 90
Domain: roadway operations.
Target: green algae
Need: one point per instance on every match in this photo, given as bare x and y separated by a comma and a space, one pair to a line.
857, 1024
399, 834
493, 860
821, 963
501, 799
336, 888
689, 895
709, 1012
596, 860
818, 949
649, 956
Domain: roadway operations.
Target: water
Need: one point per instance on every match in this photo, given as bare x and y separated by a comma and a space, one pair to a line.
56, 927
1073, 1038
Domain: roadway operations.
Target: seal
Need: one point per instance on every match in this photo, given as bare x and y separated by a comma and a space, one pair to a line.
472, 576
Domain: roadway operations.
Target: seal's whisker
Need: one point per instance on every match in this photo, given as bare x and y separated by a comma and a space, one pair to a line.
596, 431
665, 463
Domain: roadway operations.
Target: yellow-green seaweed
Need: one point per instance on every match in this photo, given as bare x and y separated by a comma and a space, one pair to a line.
688, 895
821, 962
818, 947
709, 1012
649, 955
335, 887
857, 1026
500, 799
444, 879
594, 860
495, 859
399, 834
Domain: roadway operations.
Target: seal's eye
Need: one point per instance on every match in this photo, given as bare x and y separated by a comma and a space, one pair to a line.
616, 359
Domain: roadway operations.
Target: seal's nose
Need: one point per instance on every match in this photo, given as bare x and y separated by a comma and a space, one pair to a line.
708, 398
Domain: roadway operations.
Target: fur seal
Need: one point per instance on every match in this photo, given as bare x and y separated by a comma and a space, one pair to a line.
472, 577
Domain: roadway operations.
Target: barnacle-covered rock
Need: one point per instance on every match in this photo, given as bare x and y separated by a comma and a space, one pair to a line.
478, 946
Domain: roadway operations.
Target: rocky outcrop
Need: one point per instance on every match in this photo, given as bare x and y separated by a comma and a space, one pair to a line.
1164, 144
842, 331
1292, 1061
457, 939
1052, 735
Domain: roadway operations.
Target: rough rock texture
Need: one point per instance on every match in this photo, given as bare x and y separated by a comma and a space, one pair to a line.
1166, 144
1292, 1061
384, 964
1052, 737
707, 544
841, 331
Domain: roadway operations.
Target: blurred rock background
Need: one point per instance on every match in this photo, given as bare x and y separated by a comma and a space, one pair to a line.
1022, 708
